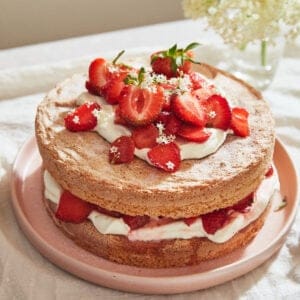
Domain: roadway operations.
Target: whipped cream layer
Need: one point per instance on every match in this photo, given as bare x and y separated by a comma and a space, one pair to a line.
178, 229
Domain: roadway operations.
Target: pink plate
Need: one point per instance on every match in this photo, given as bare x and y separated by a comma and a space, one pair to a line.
50, 241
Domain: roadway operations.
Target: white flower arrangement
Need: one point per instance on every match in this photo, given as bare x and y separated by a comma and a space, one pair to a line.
240, 22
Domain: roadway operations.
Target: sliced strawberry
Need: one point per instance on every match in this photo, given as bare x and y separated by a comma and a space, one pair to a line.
114, 85
197, 80
270, 171
136, 222
165, 156
139, 106
218, 111
239, 122
163, 118
83, 118
170, 121
72, 209
244, 204
107, 212
204, 93
97, 75
194, 134
118, 119
214, 221
189, 109
121, 150
190, 221
145, 137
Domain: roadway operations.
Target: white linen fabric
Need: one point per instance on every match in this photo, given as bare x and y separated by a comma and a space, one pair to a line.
27, 73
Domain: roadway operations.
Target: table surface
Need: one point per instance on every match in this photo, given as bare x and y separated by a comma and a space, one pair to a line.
26, 73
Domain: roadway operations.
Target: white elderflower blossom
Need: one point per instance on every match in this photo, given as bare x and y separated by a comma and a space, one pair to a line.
239, 22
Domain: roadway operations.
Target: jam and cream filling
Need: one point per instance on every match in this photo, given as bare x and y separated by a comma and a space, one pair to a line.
176, 229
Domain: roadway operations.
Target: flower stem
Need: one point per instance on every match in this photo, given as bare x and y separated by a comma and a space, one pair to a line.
263, 53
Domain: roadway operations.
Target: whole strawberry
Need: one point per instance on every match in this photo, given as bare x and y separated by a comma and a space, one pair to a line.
173, 61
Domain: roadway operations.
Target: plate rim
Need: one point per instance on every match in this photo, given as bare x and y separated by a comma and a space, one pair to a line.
49, 251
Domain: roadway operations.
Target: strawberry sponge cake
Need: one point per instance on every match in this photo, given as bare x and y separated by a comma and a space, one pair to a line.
157, 161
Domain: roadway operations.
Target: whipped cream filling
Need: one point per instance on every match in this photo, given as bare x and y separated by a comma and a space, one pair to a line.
110, 131
178, 229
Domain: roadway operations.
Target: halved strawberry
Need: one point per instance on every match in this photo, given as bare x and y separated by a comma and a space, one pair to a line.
239, 122
165, 156
97, 75
170, 121
193, 133
244, 204
218, 111
83, 118
121, 150
270, 171
72, 209
190, 221
145, 137
136, 222
140, 106
214, 221
187, 108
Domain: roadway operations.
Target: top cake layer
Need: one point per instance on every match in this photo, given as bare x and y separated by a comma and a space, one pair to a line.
79, 161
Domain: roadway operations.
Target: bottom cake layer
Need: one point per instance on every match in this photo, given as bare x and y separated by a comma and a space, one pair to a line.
153, 254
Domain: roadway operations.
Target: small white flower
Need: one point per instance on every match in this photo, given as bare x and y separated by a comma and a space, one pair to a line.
114, 149
170, 165
95, 112
212, 114
165, 139
161, 127
76, 120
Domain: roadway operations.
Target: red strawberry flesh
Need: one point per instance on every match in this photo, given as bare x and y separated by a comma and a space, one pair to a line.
145, 137
215, 220
83, 118
72, 209
140, 106
244, 204
165, 157
194, 134
135, 222
270, 172
239, 122
189, 109
190, 221
218, 111
121, 150
97, 74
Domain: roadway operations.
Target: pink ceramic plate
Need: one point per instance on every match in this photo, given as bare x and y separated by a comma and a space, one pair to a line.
44, 235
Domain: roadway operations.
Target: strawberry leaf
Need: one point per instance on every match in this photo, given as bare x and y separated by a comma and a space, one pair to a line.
191, 46
172, 50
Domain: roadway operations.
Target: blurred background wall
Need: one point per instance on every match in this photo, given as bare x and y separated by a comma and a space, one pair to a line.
25, 22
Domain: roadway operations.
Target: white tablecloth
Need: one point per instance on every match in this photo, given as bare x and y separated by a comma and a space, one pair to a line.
26, 73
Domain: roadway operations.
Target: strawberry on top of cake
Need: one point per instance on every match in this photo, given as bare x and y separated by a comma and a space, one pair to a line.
166, 110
